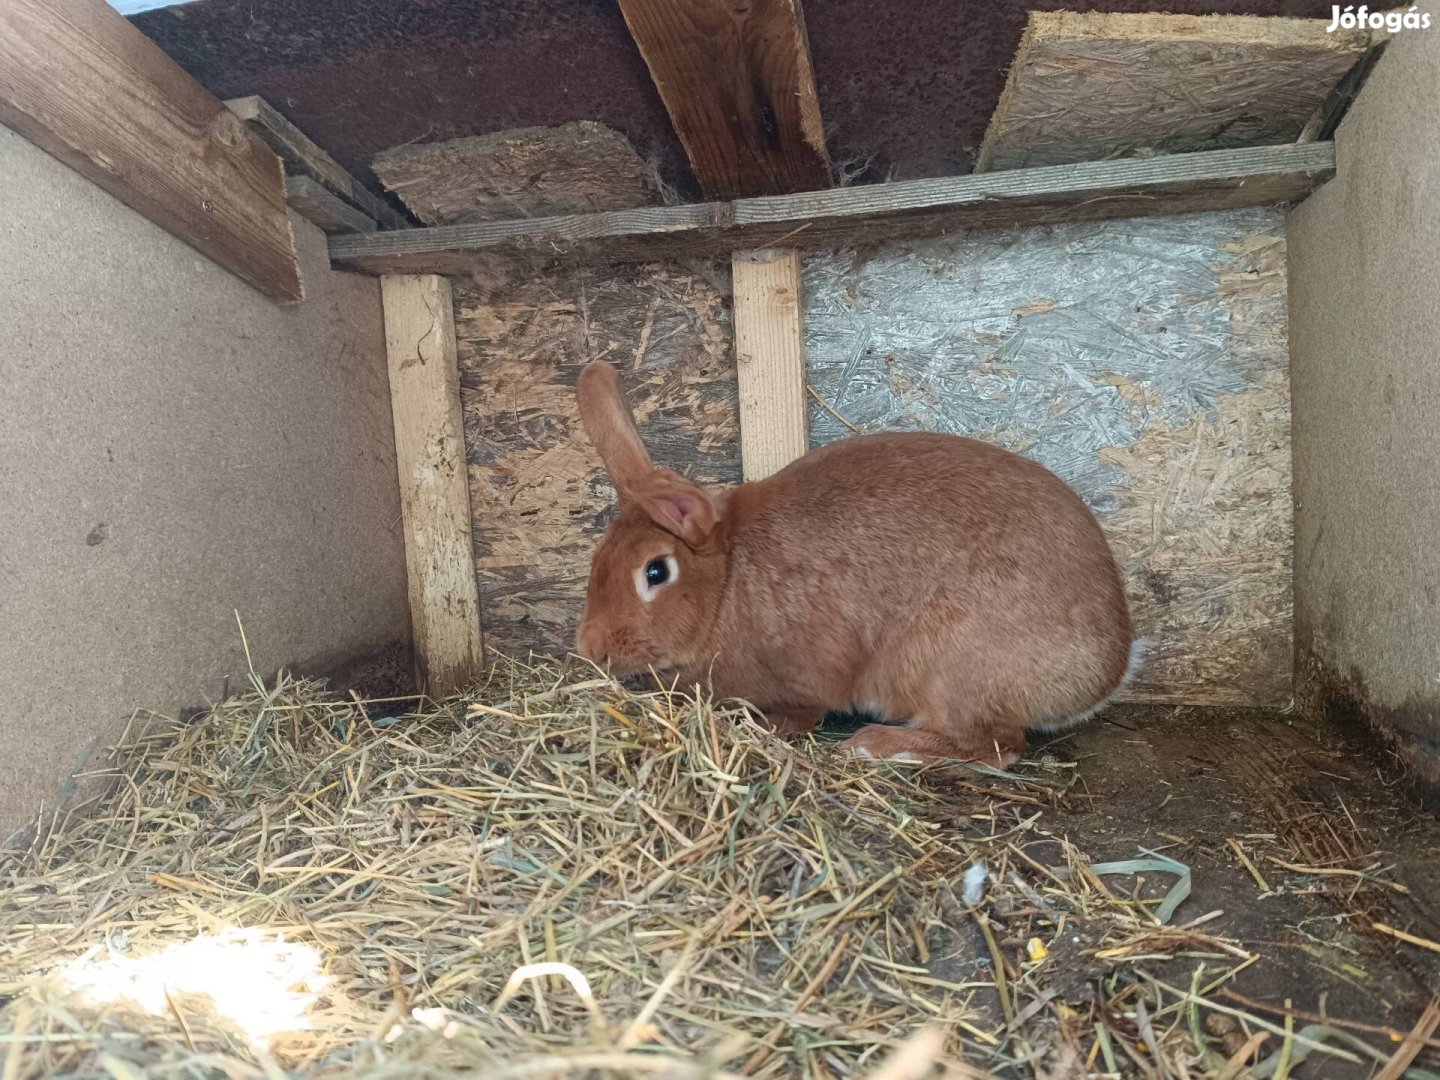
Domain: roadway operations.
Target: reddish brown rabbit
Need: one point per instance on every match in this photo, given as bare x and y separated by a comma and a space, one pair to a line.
960, 591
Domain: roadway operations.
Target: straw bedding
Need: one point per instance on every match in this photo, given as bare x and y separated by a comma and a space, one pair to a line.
554, 877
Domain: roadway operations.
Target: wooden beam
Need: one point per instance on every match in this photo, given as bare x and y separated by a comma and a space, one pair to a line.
320, 206
434, 488
770, 360
303, 158
737, 82
1092, 86
83, 84
1141, 187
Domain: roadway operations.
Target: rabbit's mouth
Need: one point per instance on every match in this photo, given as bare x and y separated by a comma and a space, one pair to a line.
646, 680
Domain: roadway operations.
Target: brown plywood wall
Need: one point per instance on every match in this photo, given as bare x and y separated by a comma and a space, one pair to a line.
1144, 361
539, 495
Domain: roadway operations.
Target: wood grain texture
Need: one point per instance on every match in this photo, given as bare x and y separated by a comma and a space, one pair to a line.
320, 206
1179, 183
737, 82
79, 81
1090, 86
303, 158
434, 495
576, 168
770, 359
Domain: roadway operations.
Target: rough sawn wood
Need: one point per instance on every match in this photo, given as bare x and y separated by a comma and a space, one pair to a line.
737, 82
770, 360
83, 84
434, 495
303, 158
1089, 86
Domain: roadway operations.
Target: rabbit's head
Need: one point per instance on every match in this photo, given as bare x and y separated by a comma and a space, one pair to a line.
658, 575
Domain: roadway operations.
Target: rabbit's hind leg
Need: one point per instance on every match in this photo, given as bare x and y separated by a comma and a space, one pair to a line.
790, 719
922, 743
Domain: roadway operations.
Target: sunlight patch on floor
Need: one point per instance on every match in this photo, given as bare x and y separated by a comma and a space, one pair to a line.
260, 983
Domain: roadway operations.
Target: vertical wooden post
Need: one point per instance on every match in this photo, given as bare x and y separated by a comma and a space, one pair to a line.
770, 360
434, 492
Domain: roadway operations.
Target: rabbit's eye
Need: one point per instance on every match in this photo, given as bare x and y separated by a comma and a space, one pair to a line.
655, 575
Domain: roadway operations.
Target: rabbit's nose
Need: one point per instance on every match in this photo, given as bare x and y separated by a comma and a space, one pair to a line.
589, 644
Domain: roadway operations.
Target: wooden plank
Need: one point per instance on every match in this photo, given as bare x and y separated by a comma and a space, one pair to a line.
82, 83
320, 206
576, 168
770, 360
1089, 86
302, 157
293, 145
737, 82
434, 494
1141, 187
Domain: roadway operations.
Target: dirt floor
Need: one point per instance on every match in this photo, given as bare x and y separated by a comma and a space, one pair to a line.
1338, 858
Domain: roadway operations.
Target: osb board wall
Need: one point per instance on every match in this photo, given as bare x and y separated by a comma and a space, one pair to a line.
539, 495
1144, 361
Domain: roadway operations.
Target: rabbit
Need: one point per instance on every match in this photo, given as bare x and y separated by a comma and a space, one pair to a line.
957, 590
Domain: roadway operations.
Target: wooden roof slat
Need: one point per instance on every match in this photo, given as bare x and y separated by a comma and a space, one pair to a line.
303, 157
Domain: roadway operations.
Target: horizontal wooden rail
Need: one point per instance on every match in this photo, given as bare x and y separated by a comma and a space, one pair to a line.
1092, 190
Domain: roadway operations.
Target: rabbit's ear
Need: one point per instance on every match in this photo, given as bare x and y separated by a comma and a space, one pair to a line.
611, 426
679, 506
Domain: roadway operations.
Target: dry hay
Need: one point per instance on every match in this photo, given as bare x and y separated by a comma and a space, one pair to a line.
553, 877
